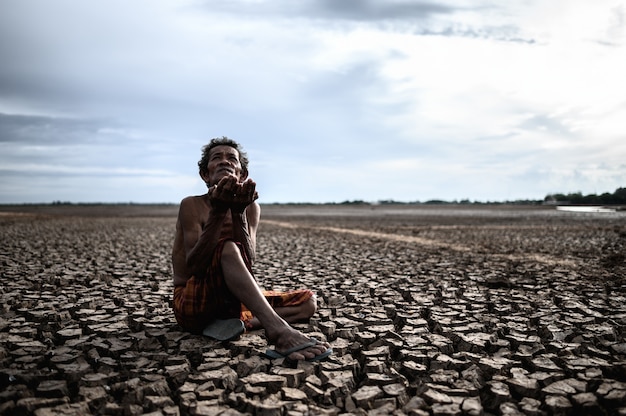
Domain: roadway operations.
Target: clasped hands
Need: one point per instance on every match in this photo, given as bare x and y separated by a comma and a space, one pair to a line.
231, 194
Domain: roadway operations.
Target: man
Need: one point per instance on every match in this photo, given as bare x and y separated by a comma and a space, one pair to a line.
214, 248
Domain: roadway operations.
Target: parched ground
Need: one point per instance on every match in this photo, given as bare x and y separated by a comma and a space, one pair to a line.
430, 311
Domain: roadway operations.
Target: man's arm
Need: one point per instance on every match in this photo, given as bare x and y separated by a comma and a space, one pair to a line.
199, 241
245, 226
245, 212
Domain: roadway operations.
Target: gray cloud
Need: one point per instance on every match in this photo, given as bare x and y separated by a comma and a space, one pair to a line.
544, 122
419, 17
355, 10
369, 10
53, 146
34, 130
505, 33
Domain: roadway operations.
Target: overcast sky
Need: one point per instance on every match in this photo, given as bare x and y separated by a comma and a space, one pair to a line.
333, 100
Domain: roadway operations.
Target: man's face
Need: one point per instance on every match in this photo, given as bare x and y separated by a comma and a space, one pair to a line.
223, 161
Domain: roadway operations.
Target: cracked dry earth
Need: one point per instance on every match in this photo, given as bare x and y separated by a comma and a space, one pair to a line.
448, 311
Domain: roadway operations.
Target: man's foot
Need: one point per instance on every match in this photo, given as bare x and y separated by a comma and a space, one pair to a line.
296, 346
300, 348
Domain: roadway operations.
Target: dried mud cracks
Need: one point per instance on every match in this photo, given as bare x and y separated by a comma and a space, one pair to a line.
467, 320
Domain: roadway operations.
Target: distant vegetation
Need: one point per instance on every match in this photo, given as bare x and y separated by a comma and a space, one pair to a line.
616, 198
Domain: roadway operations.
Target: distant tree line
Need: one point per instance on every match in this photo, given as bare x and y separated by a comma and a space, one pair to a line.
460, 202
616, 198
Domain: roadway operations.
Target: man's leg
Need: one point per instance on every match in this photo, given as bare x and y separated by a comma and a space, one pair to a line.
291, 314
243, 285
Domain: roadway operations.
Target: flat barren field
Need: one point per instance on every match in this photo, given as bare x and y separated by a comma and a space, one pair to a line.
430, 310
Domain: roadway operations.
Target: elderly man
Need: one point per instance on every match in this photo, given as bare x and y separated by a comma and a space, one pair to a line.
215, 292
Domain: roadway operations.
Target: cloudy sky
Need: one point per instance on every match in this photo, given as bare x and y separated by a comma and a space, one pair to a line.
333, 100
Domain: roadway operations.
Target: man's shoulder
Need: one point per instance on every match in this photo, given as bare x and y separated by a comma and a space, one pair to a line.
193, 205
193, 200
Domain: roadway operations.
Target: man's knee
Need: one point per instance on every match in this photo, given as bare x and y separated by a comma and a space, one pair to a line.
230, 252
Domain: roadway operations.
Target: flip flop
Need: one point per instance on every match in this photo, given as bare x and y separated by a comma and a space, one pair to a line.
224, 329
273, 354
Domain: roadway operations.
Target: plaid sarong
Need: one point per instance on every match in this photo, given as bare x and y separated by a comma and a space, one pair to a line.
201, 300
279, 299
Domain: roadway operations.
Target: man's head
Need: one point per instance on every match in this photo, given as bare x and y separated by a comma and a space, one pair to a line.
203, 164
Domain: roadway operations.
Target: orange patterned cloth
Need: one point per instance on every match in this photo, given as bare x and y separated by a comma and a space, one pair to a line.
202, 300
278, 299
